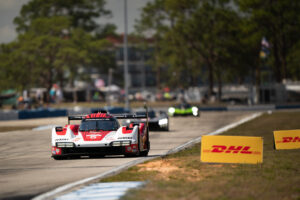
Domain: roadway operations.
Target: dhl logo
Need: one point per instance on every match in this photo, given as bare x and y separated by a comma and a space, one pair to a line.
289, 139
230, 149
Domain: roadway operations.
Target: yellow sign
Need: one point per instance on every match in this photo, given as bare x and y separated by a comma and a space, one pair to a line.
232, 149
289, 139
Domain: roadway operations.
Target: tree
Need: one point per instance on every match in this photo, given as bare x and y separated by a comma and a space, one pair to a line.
82, 13
279, 22
194, 36
54, 42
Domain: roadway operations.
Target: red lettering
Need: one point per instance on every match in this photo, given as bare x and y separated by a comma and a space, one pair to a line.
287, 139
296, 139
245, 150
233, 149
218, 148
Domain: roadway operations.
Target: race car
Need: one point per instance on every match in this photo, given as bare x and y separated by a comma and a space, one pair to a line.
156, 122
184, 109
100, 134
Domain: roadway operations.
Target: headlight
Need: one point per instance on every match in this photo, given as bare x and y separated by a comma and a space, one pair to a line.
116, 144
121, 143
171, 110
195, 111
65, 144
163, 121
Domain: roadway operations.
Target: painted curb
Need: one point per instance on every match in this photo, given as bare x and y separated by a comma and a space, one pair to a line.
51, 194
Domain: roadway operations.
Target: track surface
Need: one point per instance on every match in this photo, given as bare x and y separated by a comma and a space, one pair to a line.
26, 168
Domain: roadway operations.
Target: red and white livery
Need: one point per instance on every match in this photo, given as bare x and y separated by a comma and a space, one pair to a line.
100, 134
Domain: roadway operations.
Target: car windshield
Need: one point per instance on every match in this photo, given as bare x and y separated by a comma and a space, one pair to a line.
151, 113
109, 124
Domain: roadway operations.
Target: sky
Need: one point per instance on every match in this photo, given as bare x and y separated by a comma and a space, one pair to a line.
9, 9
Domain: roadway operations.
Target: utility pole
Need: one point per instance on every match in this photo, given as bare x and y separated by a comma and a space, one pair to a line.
125, 49
143, 68
108, 99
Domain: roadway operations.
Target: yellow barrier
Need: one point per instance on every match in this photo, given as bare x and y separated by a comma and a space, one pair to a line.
287, 139
232, 149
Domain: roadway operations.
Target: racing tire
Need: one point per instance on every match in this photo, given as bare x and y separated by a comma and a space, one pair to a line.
145, 153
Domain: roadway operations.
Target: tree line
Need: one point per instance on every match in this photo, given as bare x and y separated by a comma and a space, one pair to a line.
194, 41
221, 40
55, 39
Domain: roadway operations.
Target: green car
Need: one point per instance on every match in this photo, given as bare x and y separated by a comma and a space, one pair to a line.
184, 110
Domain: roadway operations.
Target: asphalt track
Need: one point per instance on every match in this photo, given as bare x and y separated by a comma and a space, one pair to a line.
27, 170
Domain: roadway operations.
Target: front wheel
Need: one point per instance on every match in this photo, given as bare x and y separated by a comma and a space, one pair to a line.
145, 153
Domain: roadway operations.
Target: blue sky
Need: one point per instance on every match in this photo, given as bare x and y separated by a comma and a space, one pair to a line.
9, 9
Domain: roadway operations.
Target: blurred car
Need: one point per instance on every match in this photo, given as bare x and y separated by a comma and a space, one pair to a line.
100, 134
156, 121
184, 109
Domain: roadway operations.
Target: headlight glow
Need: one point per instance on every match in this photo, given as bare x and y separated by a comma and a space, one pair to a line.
65, 144
195, 111
171, 110
163, 121
121, 143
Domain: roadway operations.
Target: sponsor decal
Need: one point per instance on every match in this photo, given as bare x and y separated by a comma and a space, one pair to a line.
287, 139
125, 138
93, 136
76, 139
232, 149
61, 139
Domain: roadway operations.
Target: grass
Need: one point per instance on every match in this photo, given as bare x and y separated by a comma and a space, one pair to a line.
183, 176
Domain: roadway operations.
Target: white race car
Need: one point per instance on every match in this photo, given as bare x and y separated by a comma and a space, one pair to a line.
100, 134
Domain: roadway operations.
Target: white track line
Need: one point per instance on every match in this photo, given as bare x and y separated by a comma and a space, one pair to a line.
116, 170
102, 191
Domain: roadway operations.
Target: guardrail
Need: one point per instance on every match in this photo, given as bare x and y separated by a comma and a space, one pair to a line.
42, 113
50, 112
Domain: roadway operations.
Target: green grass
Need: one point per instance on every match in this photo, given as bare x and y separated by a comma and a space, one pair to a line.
277, 178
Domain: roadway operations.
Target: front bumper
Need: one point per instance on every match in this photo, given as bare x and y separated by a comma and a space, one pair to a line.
91, 151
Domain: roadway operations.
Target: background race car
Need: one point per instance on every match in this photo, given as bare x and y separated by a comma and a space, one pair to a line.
156, 121
184, 109
100, 134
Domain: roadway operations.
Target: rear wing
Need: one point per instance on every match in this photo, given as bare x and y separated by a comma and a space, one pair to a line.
118, 116
129, 116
